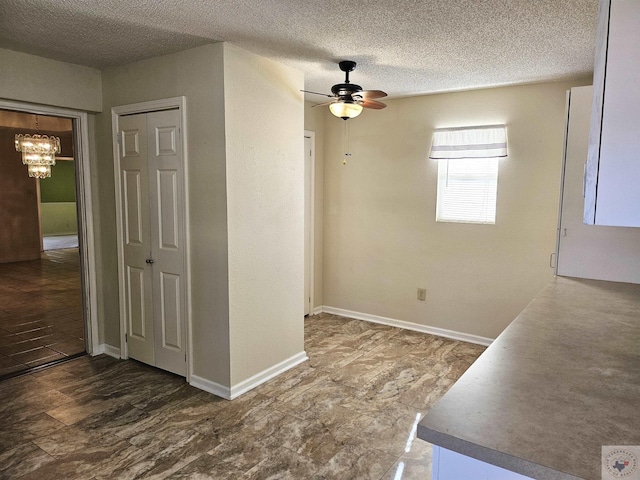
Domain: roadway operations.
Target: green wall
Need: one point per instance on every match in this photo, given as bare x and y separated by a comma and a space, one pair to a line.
61, 186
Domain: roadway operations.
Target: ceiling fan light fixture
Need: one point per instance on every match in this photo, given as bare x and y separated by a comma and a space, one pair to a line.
345, 109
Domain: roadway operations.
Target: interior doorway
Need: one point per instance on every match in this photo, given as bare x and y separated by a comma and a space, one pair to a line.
44, 290
41, 318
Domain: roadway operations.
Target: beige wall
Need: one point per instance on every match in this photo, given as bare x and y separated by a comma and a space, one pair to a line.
314, 119
264, 116
197, 74
244, 142
28, 78
381, 241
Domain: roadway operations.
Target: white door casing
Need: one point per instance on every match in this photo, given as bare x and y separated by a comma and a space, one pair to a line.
309, 219
153, 243
85, 212
307, 226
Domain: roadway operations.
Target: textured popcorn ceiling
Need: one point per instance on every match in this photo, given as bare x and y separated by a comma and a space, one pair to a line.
404, 47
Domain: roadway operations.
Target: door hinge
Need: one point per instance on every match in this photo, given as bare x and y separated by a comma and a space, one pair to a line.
185, 358
118, 136
126, 338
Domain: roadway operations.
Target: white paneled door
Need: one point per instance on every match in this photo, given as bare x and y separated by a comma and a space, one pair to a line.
151, 176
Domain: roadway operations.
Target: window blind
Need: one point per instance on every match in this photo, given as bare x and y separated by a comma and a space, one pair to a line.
468, 172
477, 142
467, 190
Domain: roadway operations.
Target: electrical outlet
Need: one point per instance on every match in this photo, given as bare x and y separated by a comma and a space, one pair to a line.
422, 294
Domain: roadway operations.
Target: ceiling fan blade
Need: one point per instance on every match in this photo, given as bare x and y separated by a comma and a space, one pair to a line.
370, 94
316, 93
372, 104
323, 104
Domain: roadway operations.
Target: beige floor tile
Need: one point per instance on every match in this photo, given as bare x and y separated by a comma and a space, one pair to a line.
348, 413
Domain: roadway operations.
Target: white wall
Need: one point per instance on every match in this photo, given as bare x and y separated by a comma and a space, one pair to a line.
264, 117
28, 78
381, 240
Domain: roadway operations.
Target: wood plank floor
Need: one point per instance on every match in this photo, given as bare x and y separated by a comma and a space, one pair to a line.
350, 412
40, 311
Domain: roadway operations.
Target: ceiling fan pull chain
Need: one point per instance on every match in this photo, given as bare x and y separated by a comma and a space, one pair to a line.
347, 153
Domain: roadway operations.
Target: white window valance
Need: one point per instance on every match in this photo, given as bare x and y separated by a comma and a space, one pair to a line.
476, 142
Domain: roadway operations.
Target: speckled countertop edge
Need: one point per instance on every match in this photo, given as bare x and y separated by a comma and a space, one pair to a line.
553, 388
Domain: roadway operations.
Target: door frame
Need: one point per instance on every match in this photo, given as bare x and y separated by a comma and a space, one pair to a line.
179, 103
312, 198
84, 208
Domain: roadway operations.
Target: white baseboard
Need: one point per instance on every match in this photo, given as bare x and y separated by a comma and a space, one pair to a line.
107, 350
317, 310
392, 322
209, 386
250, 383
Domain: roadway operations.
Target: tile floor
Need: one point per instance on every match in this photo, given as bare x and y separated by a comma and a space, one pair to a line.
40, 311
348, 413
57, 242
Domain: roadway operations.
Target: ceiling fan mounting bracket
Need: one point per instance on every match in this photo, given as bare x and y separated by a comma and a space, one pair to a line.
347, 66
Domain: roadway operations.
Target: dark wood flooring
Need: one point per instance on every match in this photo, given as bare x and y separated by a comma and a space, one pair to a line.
40, 311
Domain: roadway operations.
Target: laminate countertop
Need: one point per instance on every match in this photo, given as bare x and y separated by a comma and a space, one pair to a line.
560, 382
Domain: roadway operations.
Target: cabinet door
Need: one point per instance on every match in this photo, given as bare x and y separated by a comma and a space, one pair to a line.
613, 170
589, 251
448, 465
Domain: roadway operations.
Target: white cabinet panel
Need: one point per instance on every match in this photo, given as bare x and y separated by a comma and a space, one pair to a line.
448, 465
613, 167
589, 251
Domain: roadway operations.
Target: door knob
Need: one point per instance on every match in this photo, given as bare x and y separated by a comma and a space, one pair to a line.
149, 260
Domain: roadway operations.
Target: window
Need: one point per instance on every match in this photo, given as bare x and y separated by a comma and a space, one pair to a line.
467, 190
468, 173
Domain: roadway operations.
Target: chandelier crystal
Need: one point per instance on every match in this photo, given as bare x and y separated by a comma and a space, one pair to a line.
38, 152
39, 171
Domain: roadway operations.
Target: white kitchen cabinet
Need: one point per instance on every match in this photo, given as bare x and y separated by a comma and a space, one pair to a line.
589, 251
449, 465
612, 174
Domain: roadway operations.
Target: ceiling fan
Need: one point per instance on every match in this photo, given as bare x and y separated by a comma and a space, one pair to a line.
349, 99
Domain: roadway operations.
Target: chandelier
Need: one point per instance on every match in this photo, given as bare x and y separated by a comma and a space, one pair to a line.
38, 152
